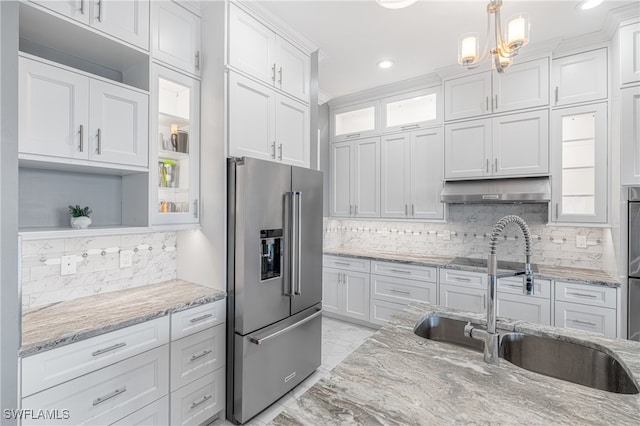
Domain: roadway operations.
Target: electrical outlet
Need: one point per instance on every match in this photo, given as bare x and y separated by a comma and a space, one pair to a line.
67, 265
126, 258
581, 241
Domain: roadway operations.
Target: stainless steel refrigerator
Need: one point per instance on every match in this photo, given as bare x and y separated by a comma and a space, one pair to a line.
274, 282
633, 296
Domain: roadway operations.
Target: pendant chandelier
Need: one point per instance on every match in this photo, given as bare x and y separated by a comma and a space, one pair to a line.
505, 46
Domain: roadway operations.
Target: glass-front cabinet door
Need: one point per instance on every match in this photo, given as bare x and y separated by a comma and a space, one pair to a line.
176, 138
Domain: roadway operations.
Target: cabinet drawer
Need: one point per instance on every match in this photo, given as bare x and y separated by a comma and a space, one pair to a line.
154, 414
586, 294
347, 263
50, 368
382, 311
199, 400
402, 291
463, 278
196, 355
104, 396
400, 270
513, 285
196, 319
463, 298
587, 318
526, 308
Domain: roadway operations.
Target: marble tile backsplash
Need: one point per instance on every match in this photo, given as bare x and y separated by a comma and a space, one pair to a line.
466, 233
97, 266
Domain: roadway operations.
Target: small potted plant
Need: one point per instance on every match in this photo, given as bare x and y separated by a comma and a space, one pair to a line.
80, 217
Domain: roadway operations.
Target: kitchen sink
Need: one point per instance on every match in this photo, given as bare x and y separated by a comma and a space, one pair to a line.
554, 358
567, 361
446, 330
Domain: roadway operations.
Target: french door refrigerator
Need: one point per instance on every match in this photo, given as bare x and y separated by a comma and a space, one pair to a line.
274, 286
633, 297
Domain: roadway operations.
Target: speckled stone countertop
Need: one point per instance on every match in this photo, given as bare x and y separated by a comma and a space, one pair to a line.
562, 273
398, 378
60, 324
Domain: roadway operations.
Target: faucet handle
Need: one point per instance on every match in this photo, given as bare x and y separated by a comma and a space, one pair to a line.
528, 287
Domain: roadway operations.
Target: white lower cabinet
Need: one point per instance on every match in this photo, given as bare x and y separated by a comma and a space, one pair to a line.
512, 303
346, 289
586, 318
382, 311
463, 298
156, 413
196, 355
198, 401
101, 397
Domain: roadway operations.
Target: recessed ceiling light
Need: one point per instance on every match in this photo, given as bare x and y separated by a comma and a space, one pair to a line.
395, 4
589, 4
385, 63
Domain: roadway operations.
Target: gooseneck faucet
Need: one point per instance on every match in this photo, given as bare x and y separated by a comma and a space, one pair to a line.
489, 336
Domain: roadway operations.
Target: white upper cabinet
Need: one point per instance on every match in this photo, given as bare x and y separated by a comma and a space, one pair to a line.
630, 53
356, 121
523, 85
630, 136
175, 36
127, 20
506, 146
64, 114
355, 178
258, 51
579, 164
580, 78
413, 110
411, 174
279, 127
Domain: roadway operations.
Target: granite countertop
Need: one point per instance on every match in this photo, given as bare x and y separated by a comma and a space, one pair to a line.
398, 378
562, 273
62, 323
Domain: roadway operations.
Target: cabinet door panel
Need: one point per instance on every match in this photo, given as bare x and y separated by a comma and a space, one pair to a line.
154, 414
581, 77
119, 125
292, 131
356, 295
426, 164
126, 20
468, 96
54, 103
366, 178
525, 308
251, 46
630, 136
463, 298
587, 318
75, 9
521, 144
525, 85
382, 311
251, 119
467, 149
394, 176
340, 179
293, 71
630, 53
331, 282
175, 36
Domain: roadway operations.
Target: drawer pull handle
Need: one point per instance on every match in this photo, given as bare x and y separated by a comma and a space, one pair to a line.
584, 322
200, 355
342, 263
590, 296
109, 396
393, 290
400, 271
411, 127
353, 135
202, 401
109, 349
203, 317
512, 285
464, 280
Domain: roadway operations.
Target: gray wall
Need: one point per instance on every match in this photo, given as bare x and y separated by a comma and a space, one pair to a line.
9, 294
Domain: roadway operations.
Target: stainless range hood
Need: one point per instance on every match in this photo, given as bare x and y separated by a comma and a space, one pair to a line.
520, 190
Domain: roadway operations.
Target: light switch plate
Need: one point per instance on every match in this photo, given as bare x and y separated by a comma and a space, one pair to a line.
581, 241
126, 258
67, 265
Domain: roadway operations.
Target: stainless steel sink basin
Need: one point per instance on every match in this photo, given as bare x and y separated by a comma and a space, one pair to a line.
562, 360
446, 330
567, 361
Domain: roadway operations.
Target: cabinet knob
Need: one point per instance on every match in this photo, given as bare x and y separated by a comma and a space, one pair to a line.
280, 76
273, 150
99, 10
280, 152
82, 138
273, 73
198, 60
556, 95
99, 147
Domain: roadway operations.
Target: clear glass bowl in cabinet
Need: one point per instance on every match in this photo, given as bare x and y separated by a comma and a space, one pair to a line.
176, 99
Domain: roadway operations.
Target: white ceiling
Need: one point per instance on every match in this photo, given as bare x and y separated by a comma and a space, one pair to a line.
355, 34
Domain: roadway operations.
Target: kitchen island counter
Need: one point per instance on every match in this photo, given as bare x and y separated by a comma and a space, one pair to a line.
398, 378
58, 324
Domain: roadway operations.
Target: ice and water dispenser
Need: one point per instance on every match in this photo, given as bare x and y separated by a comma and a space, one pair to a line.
271, 253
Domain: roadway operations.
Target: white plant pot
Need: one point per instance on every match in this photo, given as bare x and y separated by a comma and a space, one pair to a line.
81, 222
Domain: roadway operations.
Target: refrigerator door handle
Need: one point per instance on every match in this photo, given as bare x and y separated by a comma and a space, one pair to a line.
259, 341
293, 240
298, 287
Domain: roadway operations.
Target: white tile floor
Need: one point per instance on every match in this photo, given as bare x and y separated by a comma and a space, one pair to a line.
339, 339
